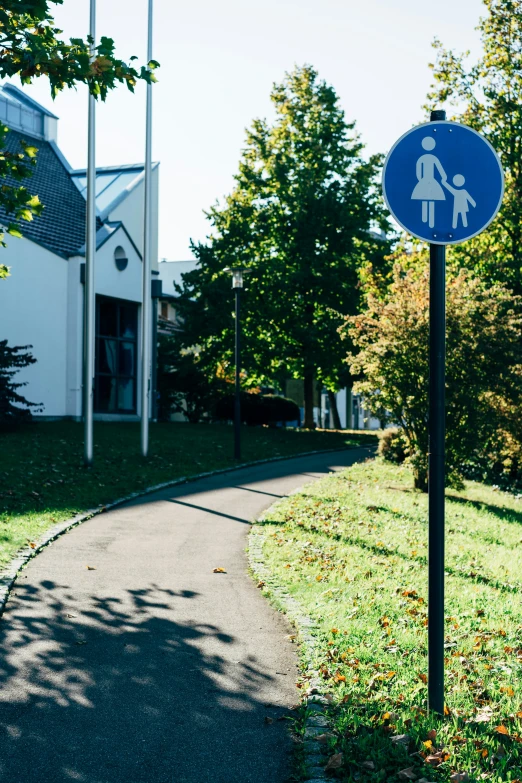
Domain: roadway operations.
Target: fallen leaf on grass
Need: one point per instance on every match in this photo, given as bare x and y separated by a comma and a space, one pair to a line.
261, 583
407, 774
459, 777
368, 765
484, 715
432, 734
501, 730
219, 570
323, 738
403, 739
334, 762
508, 690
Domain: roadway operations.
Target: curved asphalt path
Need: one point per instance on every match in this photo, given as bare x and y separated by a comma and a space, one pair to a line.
147, 667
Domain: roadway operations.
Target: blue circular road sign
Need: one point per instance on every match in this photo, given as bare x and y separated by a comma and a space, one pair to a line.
443, 182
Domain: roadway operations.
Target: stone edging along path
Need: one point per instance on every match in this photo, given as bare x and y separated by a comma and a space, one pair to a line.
9, 574
316, 723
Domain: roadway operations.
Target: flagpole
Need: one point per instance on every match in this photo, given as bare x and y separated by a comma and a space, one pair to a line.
146, 308
90, 251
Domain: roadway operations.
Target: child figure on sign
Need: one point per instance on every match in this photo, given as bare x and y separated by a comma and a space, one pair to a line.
461, 200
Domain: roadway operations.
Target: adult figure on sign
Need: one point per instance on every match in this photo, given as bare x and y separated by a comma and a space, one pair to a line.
428, 189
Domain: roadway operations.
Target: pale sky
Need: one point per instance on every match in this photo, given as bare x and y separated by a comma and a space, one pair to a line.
219, 59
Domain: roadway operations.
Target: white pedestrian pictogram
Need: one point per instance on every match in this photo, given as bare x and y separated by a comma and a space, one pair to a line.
428, 189
461, 199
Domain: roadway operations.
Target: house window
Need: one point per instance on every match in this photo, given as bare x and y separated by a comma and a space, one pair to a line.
165, 309
120, 258
116, 356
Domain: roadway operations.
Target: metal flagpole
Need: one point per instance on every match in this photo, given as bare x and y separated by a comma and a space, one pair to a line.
90, 252
147, 247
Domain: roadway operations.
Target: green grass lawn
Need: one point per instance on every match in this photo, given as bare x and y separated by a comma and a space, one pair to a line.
43, 480
352, 548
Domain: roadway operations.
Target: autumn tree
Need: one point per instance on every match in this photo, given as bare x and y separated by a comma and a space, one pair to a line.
31, 47
300, 218
487, 96
484, 361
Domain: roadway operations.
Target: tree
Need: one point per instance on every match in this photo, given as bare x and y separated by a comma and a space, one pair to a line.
31, 47
484, 362
14, 408
487, 97
299, 217
183, 385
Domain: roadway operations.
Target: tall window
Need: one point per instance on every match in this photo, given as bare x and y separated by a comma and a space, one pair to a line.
116, 354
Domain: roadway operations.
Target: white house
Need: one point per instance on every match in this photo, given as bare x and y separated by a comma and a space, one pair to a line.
41, 303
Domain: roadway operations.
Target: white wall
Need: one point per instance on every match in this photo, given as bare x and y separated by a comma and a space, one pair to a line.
33, 311
108, 280
131, 212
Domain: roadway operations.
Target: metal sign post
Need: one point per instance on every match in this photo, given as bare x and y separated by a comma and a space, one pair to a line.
443, 183
436, 470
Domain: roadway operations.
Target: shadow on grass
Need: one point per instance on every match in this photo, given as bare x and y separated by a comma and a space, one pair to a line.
107, 689
501, 512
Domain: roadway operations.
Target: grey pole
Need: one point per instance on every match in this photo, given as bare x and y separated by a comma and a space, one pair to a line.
90, 253
147, 251
436, 480
237, 399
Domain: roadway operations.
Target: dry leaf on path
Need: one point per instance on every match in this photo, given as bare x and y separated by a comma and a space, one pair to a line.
219, 570
90, 568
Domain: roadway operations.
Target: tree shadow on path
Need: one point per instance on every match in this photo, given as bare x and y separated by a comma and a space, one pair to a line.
102, 689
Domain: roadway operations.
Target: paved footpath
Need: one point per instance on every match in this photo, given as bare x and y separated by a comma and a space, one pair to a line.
124, 659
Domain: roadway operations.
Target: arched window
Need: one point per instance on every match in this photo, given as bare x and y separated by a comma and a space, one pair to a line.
120, 258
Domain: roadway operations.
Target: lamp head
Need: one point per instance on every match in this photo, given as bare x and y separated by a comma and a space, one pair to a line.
237, 275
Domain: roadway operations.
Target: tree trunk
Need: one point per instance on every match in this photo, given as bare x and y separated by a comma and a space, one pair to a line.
420, 479
334, 410
309, 401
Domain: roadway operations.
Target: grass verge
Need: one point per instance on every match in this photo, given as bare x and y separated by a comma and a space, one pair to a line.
352, 550
43, 480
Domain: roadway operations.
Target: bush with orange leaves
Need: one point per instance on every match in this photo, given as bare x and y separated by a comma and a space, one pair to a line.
483, 366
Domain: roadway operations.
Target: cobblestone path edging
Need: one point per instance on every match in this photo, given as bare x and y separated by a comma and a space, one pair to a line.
316, 723
10, 572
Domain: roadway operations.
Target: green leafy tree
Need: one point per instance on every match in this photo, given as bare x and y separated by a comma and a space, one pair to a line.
299, 218
484, 362
14, 408
486, 96
31, 47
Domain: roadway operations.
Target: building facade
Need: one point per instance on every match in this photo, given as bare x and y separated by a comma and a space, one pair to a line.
41, 303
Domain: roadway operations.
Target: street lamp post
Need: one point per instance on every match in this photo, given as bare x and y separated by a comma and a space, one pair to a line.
237, 285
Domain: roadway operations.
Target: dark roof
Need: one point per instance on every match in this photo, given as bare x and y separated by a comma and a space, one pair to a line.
61, 226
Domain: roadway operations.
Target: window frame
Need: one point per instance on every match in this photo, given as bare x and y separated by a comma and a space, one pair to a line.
119, 339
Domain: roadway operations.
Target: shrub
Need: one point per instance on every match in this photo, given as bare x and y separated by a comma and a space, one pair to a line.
393, 446
14, 408
257, 409
484, 357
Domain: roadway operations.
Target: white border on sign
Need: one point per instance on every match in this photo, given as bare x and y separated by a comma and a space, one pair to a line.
449, 241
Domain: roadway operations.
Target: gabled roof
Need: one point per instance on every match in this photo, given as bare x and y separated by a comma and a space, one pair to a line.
104, 233
113, 184
61, 226
22, 97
